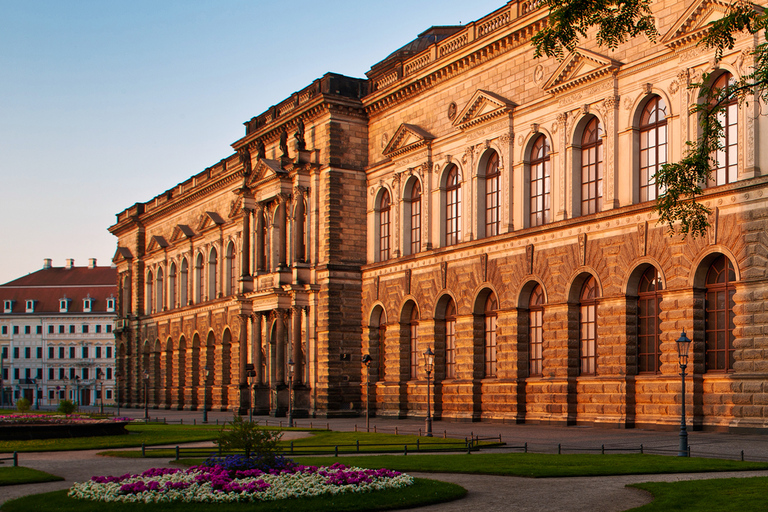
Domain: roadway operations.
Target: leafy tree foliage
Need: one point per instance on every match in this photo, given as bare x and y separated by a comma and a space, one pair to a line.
67, 407
247, 436
616, 22
22, 404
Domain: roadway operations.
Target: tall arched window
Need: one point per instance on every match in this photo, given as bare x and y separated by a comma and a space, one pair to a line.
726, 170
648, 322
413, 331
231, 271
540, 186
159, 301
172, 293
150, 292
489, 351
653, 146
382, 345
492, 196
719, 315
453, 207
262, 242
450, 340
592, 168
184, 283
199, 279
384, 209
536, 332
588, 327
415, 217
213, 274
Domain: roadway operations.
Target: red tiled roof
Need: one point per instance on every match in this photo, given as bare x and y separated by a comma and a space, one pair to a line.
47, 286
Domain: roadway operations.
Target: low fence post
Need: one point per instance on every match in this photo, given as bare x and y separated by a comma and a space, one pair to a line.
405, 450
742, 455
358, 444
291, 447
142, 450
395, 429
526, 448
602, 449
194, 421
417, 445
559, 449
15, 459
641, 448
336, 451
177, 452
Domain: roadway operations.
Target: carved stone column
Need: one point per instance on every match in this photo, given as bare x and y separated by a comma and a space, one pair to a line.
296, 331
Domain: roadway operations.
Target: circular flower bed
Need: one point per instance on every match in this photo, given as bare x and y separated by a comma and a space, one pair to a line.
17, 427
216, 483
54, 419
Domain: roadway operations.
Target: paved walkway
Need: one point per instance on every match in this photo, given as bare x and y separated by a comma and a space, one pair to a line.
489, 493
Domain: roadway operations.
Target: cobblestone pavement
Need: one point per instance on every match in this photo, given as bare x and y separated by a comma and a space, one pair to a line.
489, 493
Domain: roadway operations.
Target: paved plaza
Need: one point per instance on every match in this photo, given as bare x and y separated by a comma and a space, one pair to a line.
491, 493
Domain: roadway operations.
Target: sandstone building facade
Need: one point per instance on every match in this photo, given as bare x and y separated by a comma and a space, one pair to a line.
471, 199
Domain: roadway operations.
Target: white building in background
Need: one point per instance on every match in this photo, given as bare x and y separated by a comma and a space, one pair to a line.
56, 336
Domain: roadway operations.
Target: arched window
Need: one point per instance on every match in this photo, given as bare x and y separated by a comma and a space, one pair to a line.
262, 241
384, 209
159, 301
382, 345
592, 168
489, 351
648, 322
150, 292
536, 332
172, 293
213, 274
453, 207
184, 283
492, 196
588, 328
198, 288
653, 146
415, 217
726, 170
300, 228
719, 315
540, 186
231, 271
413, 331
450, 340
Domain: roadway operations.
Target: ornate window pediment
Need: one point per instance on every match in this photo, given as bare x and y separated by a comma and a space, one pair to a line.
209, 220
156, 242
692, 25
580, 67
181, 231
122, 254
266, 169
482, 107
407, 138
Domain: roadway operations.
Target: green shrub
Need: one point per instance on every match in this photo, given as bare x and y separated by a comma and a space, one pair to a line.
247, 436
22, 404
67, 407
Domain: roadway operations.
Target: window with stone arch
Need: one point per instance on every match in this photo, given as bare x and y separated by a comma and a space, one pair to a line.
648, 322
719, 316
384, 225
213, 274
653, 146
414, 215
540, 192
450, 340
588, 327
536, 332
727, 157
453, 206
489, 335
159, 290
231, 270
492, 195
592, 168
199, 279
183, 282
413, 342
150, 292
172, 282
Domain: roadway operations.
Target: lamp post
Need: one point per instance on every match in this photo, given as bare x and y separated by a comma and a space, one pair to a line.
251, 375
146, 396
101, 392
205, 394
367, 363
117, 391
77, 392
291, 365
37, 394
429, 364
683, 344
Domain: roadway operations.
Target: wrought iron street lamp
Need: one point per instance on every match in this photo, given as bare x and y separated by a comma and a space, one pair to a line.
429, 365
251, 375
367, 363
146, 396
207, 372
683, 345
291, 366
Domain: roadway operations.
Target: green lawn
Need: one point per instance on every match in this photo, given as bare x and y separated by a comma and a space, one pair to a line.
423, 492
723, 495
20, 475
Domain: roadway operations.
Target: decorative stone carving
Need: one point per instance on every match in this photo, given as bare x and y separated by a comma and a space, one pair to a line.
452, 109
407, 281
484, 266
583, 248
444, 274
713, 220
529, 257
642, 235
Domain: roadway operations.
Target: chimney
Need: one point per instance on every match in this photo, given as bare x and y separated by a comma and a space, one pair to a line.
70, 263
91, 262
47, 263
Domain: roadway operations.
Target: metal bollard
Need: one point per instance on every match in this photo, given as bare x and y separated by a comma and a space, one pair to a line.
395, 429
641, 449
15, 459
358, 444
445, 434
742, 455
526, 448
405, 450
417, 445
602, 449
355, 427
336, 451
559, 449
177, 452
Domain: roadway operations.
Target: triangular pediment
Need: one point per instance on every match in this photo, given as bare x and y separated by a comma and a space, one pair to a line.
407, 138
264, 169
156, 242
181, 231
694, 22
122, 254
209, 220
579, 67
482, 107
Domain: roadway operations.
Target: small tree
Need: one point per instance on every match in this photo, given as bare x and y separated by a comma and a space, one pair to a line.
22, 404
248, 436
67, 407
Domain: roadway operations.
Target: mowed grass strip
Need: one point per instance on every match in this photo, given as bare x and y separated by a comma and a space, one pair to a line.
540, 465
720, 495
422, 492
21, 475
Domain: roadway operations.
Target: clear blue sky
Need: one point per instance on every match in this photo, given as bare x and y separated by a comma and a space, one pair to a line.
104, 104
